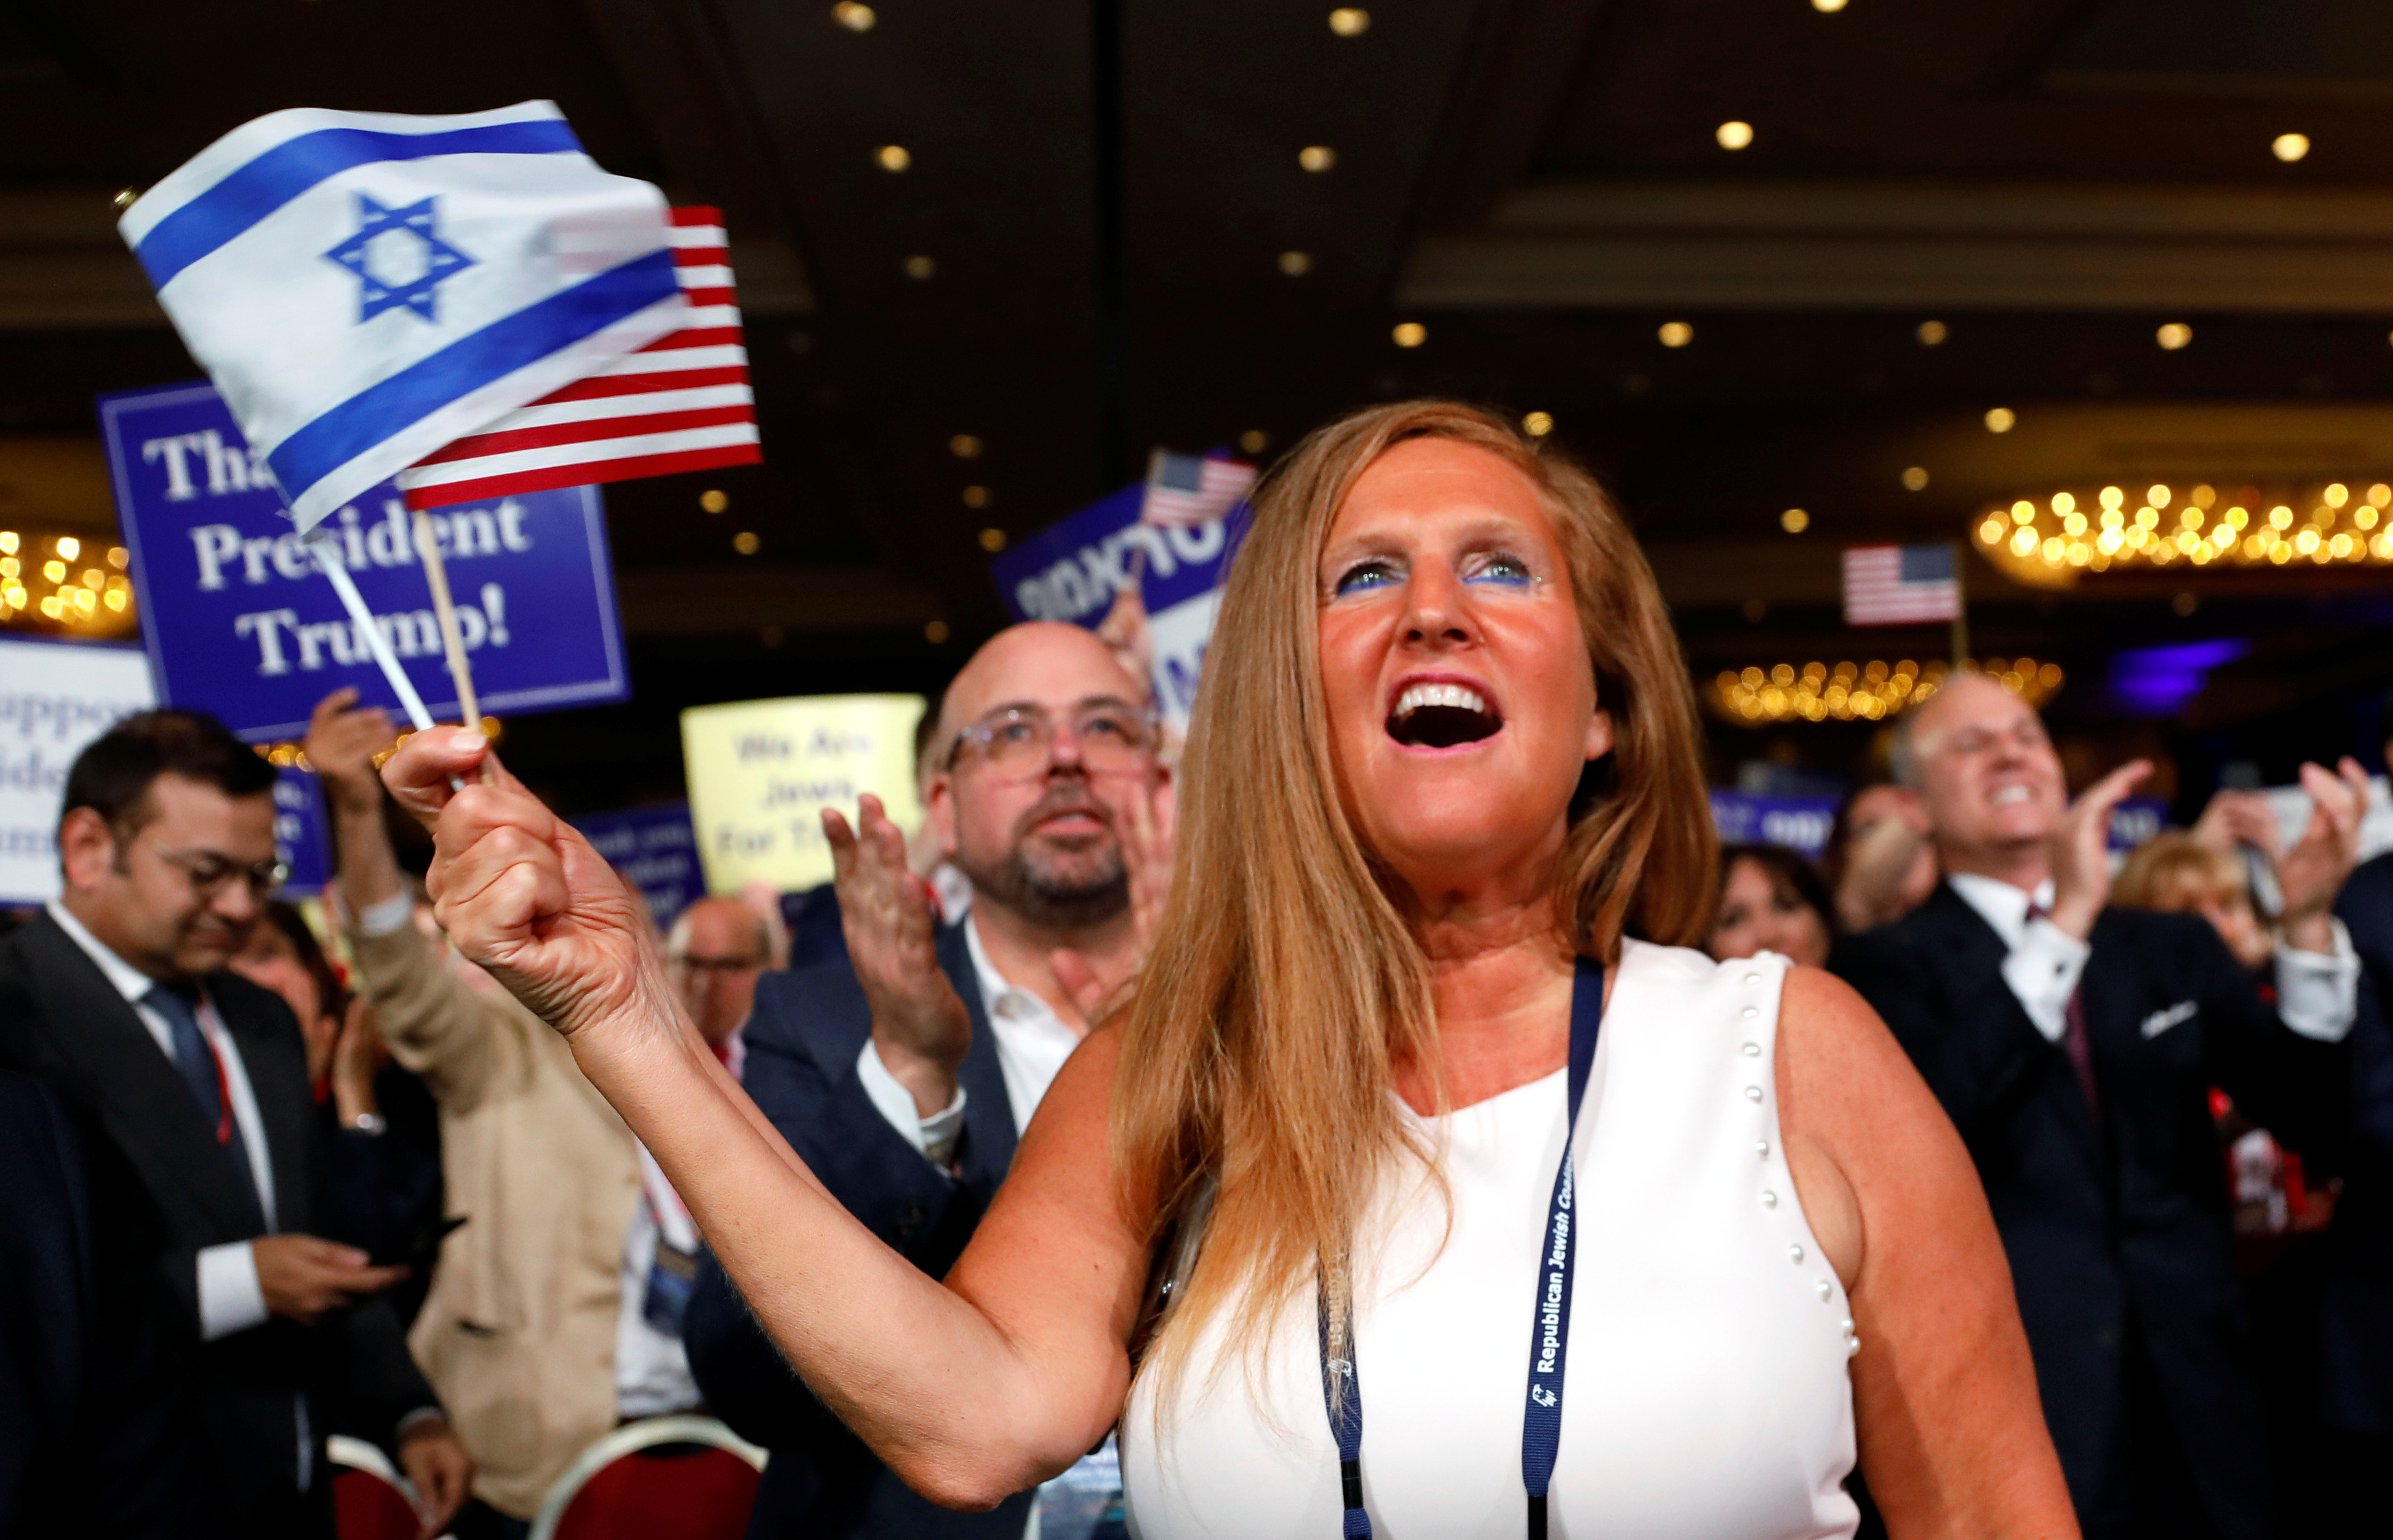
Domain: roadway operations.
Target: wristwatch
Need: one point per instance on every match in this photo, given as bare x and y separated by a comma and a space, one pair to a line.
369, 1123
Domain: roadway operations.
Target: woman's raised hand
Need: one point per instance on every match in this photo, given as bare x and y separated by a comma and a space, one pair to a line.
521, 893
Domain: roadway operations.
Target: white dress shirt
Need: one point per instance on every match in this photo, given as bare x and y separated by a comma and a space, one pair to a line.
1032, 1043
2318, 993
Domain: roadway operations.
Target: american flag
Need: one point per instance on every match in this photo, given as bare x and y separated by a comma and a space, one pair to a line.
682, 403
1898, 585
1191, 488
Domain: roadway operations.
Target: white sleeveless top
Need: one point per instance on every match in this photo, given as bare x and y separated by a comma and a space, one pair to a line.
1706, 1394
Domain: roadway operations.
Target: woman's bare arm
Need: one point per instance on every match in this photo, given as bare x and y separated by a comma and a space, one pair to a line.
968, 1393
1952, 1431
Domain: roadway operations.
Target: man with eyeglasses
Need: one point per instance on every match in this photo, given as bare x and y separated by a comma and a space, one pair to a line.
904, 1072
190, 1087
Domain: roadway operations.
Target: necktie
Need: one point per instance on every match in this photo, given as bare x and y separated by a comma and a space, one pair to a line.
201, 1073
2074, 1040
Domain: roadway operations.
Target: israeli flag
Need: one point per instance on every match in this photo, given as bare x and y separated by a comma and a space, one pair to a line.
367, 288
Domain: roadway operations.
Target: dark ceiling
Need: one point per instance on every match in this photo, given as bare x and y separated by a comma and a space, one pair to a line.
1108, 196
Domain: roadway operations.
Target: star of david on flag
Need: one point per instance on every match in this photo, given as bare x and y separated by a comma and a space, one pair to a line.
367, 288
398, 257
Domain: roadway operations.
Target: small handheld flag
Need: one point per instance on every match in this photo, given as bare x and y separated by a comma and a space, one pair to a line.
1900, 585
682, 403
1187, 490
367, 287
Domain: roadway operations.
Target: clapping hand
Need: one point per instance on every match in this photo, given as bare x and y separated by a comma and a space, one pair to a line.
2237, 818
919, 1025
2080, 849
521, 893
2312, 873
1147, 854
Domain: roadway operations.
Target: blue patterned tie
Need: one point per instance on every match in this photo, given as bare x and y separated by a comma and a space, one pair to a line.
198, 1063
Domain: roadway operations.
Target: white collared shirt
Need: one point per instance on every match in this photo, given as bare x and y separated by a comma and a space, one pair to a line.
1032, 1043
230, 1300
2318, 993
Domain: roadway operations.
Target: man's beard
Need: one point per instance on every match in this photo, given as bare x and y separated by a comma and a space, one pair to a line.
1063, 890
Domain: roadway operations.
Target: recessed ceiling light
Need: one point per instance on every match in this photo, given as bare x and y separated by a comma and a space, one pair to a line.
2000, 419
1676, 334
920, 266
1410, 334
963, 446
746, 542
1914, 479
893, 157
1537, 425
1254, 440
856, 17
2173, 335
1931, 333
1830, 6
1735, 133
1350, 21
992, 540
713, 502
1316, 157
2290, 147
976, 497
1795, 521
1296, 264
935, 632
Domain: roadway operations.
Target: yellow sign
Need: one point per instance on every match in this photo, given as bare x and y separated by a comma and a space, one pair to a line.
760, 772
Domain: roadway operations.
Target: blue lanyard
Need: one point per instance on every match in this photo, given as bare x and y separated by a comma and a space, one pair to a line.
1541, 1426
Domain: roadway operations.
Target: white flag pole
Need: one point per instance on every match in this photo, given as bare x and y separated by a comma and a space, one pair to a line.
328, 557
452, 639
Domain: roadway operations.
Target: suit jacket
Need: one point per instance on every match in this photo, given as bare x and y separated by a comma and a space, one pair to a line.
94, 1438
804, 1039
2355, 1356
2116, 1225
519, 1332
164, 1190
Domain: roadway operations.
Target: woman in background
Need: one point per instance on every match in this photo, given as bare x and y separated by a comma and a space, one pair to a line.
1770, 900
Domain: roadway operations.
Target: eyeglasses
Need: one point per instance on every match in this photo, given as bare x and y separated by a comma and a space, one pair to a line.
1018, 742
210, 874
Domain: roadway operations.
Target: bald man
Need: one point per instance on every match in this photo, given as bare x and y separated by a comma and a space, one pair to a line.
2074, 1046
904, 1072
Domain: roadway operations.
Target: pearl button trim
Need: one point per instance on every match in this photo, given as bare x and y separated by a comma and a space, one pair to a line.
1751, 1012
1752, 979
1753, 1093
1769, 1199
1827, 1290
1795, 1254
1753, 1050
1761, 1148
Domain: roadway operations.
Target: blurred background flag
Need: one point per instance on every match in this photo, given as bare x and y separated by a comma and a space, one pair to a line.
366, 287
682, 403
1900, 585
1186, 489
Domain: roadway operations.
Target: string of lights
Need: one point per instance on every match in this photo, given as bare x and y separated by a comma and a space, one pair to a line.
2049, 543
66, 581
1861, 692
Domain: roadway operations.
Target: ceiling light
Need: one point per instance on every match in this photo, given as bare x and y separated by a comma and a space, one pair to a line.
1915, 477
1794, 521
992, 540
920, 266
1316, 157
1931, 333
976, 497
1828, 7
1676, 334
935, 632
70, 547
963, 446
713, 502
1410, 334
1254, 440
893, 158
1296, 264
1537, 425
1350, 21
2290, 147
746, 542
2173, 335
854, 17
2001, 419
1733, 134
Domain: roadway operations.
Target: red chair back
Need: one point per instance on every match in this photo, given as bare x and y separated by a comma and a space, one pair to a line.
669, 1492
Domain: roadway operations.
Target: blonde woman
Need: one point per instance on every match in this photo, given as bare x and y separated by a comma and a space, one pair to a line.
1443, 770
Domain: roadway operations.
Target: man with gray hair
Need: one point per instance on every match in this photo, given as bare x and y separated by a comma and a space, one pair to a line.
2074, 1046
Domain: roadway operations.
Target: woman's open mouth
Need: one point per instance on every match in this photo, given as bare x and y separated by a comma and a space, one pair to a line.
1442, 716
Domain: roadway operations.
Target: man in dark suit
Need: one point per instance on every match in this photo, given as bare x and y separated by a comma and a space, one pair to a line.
93, 1436
904, 1073
2075, 1047
189, 1089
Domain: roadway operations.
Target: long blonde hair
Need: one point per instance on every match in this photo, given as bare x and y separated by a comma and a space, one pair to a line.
1284, 987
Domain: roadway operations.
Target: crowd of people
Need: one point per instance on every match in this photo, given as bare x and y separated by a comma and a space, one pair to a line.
490, 1167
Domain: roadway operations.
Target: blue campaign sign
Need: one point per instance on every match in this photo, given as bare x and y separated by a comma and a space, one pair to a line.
656, 851
1072, 570
300, 838
239, 622
1798, 823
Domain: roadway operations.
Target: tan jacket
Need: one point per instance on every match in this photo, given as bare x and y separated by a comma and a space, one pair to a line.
518, 1334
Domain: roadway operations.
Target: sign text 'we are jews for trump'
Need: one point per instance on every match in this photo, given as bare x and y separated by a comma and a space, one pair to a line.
239, 622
